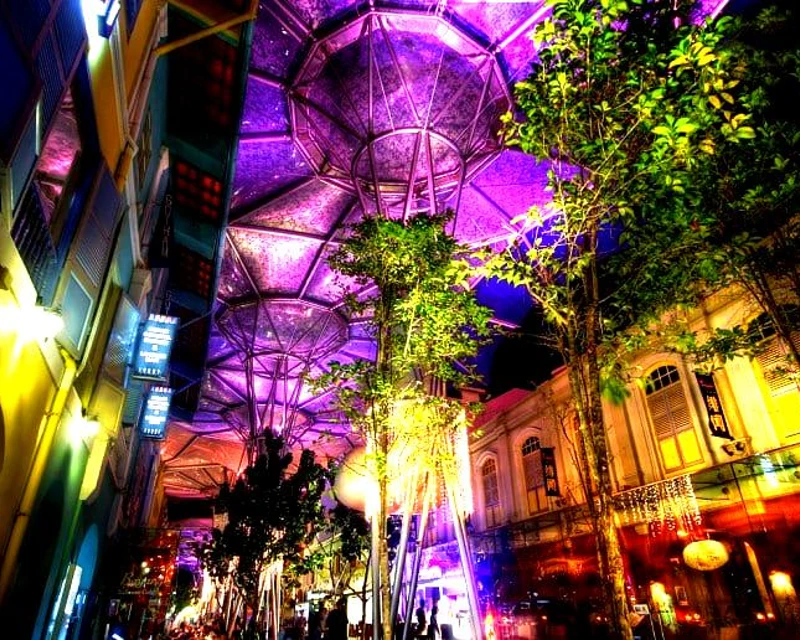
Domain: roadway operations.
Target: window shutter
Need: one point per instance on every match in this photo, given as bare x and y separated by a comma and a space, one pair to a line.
532, 467
669, 411
88, 260
490, 490
96, 235
775, 366
133, 402
75, 308
121, 341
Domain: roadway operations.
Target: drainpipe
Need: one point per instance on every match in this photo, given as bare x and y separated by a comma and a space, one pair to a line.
213, 30
40, 459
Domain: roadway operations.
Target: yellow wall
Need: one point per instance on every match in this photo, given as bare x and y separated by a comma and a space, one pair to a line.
134, 49
27, 388
107, 113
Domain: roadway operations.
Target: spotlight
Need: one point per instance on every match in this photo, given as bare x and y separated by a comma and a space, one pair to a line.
735, 447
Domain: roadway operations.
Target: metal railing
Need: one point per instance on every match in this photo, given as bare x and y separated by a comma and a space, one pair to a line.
31, 234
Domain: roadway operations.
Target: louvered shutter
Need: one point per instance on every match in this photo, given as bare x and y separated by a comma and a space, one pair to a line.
672, 423
669, 411
121, 341
89, 259
532, 464
775, 366
490, 490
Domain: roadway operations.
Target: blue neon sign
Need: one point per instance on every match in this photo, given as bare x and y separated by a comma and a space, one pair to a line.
155, 345
156, 410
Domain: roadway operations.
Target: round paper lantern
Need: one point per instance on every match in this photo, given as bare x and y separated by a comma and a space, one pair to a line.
705, 555
353, 482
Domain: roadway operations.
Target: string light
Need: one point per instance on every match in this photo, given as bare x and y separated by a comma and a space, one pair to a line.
667, 506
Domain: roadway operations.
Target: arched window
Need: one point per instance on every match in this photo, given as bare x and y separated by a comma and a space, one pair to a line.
534, 475
669, 413
491, 493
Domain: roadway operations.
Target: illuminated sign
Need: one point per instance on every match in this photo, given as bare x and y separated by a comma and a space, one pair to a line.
152, 357
156, 410
717, 424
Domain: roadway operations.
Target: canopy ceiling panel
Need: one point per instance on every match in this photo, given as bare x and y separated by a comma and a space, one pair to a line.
383, 107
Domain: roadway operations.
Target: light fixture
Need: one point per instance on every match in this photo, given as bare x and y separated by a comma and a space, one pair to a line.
83, 428
31, 322
705, 555
107, 15
5, 278
735, 447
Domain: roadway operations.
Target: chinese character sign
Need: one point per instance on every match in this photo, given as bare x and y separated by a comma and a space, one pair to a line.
549, 471
156, 410
717, 424
155, 345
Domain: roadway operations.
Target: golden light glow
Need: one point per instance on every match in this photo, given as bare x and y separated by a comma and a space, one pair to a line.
781, 583
81, 429
30, 322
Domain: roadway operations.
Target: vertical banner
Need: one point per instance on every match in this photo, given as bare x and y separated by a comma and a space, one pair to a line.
550, 472
717, 424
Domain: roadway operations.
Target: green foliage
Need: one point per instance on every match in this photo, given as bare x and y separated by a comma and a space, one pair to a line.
427, 324
628, 101
272, 515
626, 116
352, 530
752, 194
417, 274
420, 309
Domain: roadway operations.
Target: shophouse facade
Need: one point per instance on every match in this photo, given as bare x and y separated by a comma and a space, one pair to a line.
83, 176
696, 457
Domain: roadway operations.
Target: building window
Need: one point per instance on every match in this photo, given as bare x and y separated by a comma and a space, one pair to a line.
491, 493
534, 476
669, 413
774, 359
145, 152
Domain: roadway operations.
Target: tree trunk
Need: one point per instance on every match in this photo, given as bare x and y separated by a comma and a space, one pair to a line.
760, 287
584, 377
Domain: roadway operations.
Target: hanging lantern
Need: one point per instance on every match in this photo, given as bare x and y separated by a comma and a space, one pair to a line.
705, 555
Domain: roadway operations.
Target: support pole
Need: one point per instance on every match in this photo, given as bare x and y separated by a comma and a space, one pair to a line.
466, 561
209, 31
412, 591
376, 529
400, 560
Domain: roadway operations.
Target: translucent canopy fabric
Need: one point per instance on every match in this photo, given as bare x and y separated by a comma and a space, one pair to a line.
352, 108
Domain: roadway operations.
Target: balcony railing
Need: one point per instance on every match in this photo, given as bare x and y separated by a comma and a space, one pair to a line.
31, 233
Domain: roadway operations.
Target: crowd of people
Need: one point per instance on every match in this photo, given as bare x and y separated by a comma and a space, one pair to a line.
321, 624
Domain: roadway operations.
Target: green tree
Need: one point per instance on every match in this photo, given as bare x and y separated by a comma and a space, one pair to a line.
273, 514
343, 544
753, 191
744, 229
412, 281
624, 101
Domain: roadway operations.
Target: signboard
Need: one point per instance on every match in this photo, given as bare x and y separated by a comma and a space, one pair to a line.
717, 424
155, 345
156, 410
641, 609
550, 472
